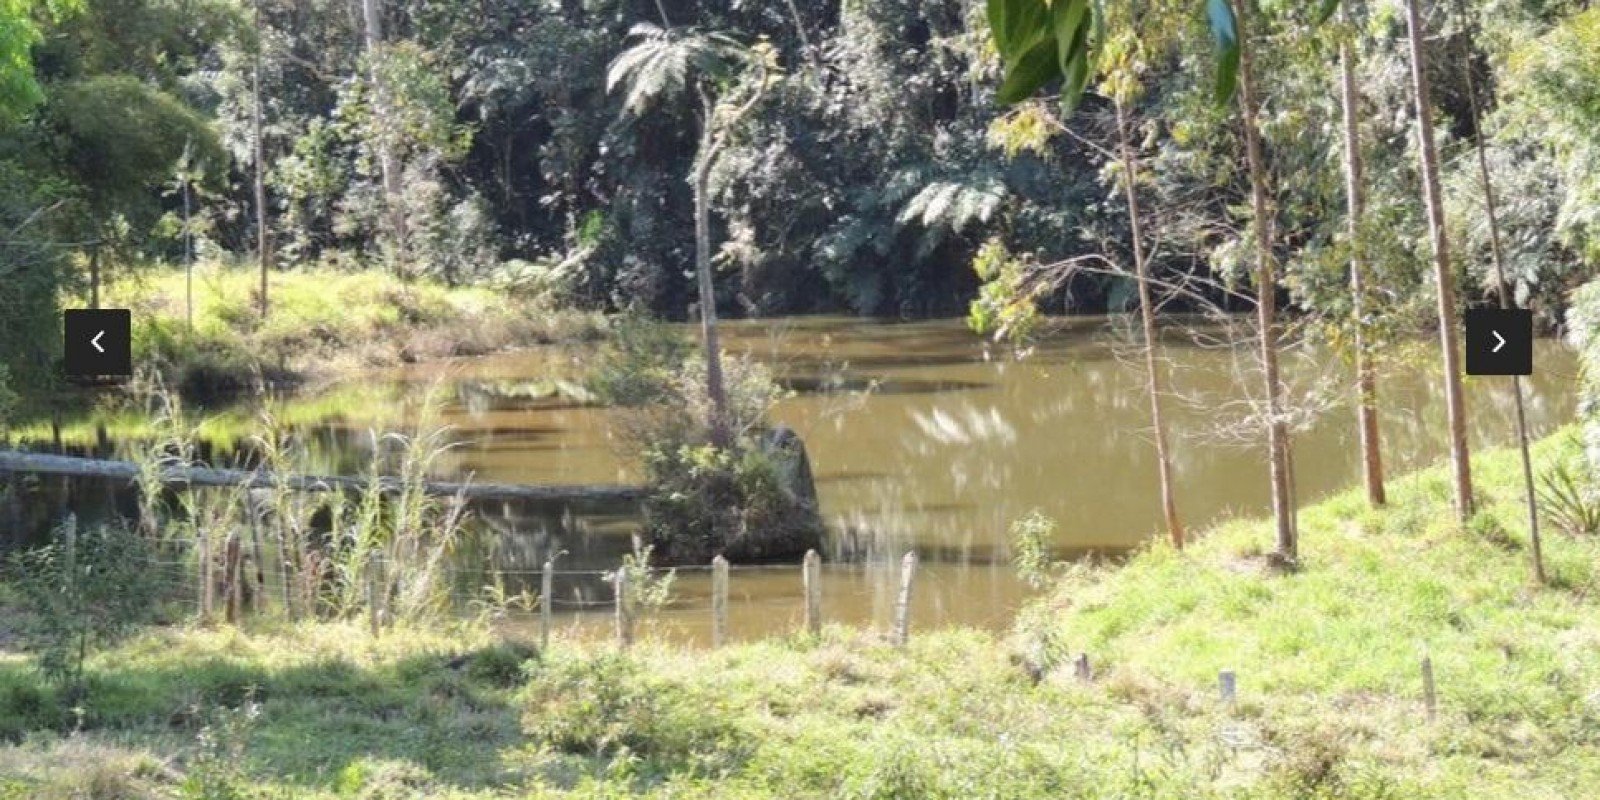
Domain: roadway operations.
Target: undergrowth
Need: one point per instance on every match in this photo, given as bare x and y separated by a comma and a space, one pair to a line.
1329, 703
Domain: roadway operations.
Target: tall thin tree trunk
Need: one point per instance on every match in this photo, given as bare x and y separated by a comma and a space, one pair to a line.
715, 389
713, 138
94, 275
1278, 453
188, 257
262, 258
388, 166
1444, 276
1503, 291
1355, 195
1147, 318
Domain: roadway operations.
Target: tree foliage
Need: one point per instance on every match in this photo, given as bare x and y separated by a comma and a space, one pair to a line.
867, 180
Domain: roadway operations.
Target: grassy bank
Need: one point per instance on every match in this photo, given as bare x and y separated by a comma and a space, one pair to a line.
1329, 702
322, 323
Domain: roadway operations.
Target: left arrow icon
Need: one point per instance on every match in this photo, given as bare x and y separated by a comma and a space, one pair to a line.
97, 344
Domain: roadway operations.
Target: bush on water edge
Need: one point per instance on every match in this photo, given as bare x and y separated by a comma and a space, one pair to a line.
1329, 702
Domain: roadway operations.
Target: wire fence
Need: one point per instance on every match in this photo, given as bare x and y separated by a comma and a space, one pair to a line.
229, 578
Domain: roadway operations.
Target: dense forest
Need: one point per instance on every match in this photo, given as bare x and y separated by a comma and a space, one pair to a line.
485, 142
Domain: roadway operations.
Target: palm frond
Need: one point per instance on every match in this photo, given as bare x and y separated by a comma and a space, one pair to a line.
661, 64
954, 205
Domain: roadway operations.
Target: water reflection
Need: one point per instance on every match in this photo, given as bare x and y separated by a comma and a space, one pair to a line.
922, 436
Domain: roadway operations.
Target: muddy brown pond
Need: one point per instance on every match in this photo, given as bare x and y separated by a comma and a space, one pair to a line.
922, 436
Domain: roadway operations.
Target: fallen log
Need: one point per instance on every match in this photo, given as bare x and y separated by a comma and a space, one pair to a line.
43, 464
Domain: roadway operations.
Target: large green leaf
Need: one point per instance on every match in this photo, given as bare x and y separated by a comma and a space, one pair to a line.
1072, 23
1078, 72
1018, 26
1030, 72
1225, 36
1067, 18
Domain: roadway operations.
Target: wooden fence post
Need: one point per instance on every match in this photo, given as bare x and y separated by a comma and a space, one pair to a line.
1430, 700
546, 600
259, 599
385, 616
202, 559
619, 581
232, 576
902, 603
811, 574
286, 574
374, 619
1082, 669
719, 601
1228, 684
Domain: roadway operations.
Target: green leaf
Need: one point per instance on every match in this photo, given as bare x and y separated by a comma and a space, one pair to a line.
1325, 11
1018, 26
999, 28
1097, 25
1225, 36
1072, 22
1076, 73
1069, 17
1033, 70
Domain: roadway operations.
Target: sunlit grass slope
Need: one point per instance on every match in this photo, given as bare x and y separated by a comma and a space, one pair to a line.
1329, 701
321, 322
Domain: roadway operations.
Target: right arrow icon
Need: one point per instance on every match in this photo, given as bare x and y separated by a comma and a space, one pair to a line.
1499, 341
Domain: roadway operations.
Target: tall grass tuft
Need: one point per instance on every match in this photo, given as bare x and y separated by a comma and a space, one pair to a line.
324, 544
1569, 500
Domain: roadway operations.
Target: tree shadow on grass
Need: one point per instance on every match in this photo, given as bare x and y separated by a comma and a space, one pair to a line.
450, 714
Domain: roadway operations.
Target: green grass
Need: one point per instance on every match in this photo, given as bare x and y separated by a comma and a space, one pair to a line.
321, 323
1330, 699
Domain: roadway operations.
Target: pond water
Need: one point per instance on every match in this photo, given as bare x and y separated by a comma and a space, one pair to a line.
922, 436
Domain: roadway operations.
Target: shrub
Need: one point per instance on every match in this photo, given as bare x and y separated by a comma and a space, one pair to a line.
610, 705
499, 664
649, 589
742, 501
706, 500
370, 779
1030, 548
638, 364
83, 589
216, 772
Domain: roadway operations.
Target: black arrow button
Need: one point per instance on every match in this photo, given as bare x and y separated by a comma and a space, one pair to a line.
98, 343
